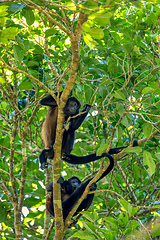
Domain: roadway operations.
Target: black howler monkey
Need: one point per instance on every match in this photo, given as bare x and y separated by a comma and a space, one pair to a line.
48, 132
72, 190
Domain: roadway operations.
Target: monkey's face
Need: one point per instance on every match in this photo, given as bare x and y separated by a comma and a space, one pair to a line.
72, 107
74, 183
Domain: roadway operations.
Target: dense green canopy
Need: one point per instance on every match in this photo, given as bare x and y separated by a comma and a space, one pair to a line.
108, 54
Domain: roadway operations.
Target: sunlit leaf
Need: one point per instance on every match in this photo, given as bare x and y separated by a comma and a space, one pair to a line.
147, 90
147, 129
101, 18
119, 95
9, 33
96, 33
148, 161
25, 85
16, 7
2, 80
29, 15
50, 32
84, 235
102, 149
133, 149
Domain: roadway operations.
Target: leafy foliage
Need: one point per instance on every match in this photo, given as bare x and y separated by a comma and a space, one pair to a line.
118, 75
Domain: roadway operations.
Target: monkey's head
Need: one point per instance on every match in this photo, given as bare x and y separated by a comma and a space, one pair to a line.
74, 182
72, 107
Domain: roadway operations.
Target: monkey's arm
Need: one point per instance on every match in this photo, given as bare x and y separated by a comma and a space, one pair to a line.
48, 101
68, 204
76, 122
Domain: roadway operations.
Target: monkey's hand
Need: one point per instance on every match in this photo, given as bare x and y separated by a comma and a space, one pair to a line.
93, 187
46, 153
66, 125
87, 107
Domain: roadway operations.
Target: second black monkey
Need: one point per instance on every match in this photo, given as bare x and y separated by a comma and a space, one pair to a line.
48, 132
72, 190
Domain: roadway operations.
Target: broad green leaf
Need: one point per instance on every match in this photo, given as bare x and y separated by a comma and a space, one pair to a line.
128, 207
157, 156
89, 5
16, 7
29, 15
88, 215
18, 53
9, 33
119, 95
89, 40
50, 32
25, 85
86, 26
84, 235
120, 108
3, 12
70, 5
147, 160
3, 21
133, 149
124, 121
111, 221
102, 149
116, 36
155, 231
119, 132
90, 227
123, 219
136, 172
147, 90
147, 129
134, 211
2, 80
96, 33
101, 18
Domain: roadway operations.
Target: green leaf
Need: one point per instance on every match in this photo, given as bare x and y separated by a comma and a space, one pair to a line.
120, 108
147, 129
88, 215
101, 18
2, 80
133, 149
16, 7
128, 207
102, 149
96, 33
147, 90
90, 227
155, 231
9, 33
25, 85
70, 5
119, 95
157, 156
147, 160
124, 121
123, 219
3, 11
50, 32
89, 40
29, 15
18, 53
3, 21
84, 235
119, 132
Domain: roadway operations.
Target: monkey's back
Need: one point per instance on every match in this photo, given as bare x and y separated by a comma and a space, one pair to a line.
48, 131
